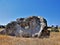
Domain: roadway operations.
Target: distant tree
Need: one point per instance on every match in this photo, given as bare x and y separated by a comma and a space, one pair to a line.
2, 26
56, 28
52, 28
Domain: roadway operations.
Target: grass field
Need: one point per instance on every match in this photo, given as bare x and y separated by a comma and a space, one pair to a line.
54, 39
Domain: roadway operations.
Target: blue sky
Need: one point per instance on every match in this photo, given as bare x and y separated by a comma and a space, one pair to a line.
10, 10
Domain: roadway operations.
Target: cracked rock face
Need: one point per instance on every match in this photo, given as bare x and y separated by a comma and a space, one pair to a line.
27, 27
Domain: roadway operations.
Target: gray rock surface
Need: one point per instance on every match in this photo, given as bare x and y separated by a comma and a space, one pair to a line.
27, 27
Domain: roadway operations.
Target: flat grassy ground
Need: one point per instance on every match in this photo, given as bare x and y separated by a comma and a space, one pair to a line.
54, 39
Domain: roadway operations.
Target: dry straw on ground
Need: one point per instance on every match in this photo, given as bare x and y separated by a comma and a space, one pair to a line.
53, 40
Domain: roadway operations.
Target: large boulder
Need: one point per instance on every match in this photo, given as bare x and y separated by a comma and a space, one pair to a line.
27, 27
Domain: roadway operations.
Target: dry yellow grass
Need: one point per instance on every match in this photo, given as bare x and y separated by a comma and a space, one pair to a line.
9, 40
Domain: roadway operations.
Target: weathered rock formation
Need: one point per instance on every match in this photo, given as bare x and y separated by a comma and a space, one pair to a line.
33, 26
